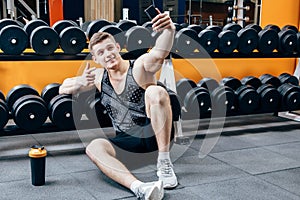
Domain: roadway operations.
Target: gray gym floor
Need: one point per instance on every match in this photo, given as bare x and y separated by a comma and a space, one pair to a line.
255, 157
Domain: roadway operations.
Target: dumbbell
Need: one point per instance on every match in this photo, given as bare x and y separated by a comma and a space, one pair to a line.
195, 100
289, 91
208, 38
94, 27
270, 79
269, 96
93, 109
4, 112
228, 39
43, 39
63, 110
13, 38
116, 32
287, 43
247, 38
27, 108
235, 7
186, 41
247, 97
72, 38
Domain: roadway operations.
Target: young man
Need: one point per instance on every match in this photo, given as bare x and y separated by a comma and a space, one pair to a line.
139, 109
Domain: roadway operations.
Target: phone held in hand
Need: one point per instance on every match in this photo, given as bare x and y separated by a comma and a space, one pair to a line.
151, 12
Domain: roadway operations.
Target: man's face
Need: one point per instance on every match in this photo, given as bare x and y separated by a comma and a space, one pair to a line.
106, 53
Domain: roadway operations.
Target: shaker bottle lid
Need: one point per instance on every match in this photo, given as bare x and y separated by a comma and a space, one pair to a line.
37, 151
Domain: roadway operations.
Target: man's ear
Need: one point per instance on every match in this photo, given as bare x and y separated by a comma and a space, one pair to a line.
94, 59
118, 46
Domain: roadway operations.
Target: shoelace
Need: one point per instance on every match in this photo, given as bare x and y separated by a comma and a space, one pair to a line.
165, 167
140, 194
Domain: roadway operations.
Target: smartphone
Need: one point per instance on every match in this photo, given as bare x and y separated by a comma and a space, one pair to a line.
151, 12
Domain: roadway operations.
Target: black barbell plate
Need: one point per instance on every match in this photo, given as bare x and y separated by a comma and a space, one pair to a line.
215, 28
95, 26
186, 41
252, 81
208, 39
177, 27
72, 40
228, 41
269, 98
116, 32
29, 112
17, 92
4, 114
290, 96
13, 40
270, 79
183, 86
197, 101
33, 24
272, 27
255, 27
247, 99
6, 22
44, 40
60, 25
248, 40
196, 28
233, 27
290, 27
267, 41
125, 25
2, 97
49, 92
298, 41
137, 40
287, 41
209, 83
223, 100
288, 78
231, 82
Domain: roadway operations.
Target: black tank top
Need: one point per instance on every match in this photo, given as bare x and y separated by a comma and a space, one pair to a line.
127, 109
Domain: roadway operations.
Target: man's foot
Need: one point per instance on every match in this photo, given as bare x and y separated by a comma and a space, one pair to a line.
166, 174
150, 191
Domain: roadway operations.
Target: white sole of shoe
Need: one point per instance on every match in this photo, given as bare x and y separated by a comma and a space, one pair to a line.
157, 192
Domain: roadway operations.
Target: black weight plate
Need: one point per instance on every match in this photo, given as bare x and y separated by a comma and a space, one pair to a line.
196, 28
287, 41
177, 27
125, 25
208, 83
44, 40
33, 24
137, 39
95, 26
270, 79
60, 25
288, 78
13, 40
233, 27
7, 22
186, 41
183, 86
231, 82
49, 92
4, 114
248, 40
252, 81
72, 40
17, 92
184, 25
96, 112
298, 41
272, 27
29, 112
197, 100
290, 96
269, 98
208, 39
56, 99
215, 28
62, 114
2, 97
116, 32
223, 99
255, 27
290, 27
228, 41
248, 99
267, 41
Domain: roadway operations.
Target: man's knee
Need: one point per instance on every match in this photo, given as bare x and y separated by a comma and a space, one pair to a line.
157, 95
98, 147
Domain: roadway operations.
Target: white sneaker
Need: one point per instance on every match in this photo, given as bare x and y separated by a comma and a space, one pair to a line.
166, 174
150, 191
